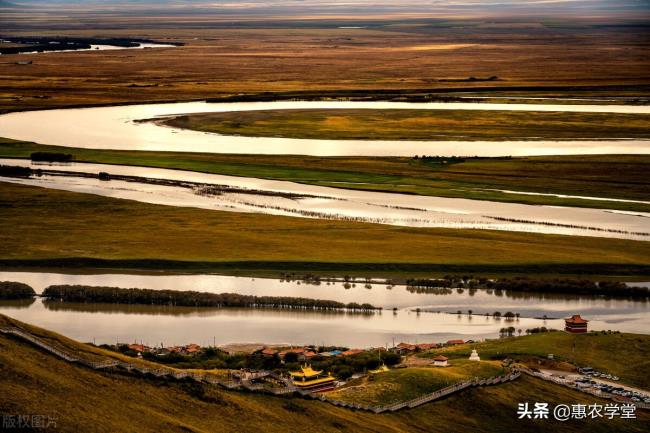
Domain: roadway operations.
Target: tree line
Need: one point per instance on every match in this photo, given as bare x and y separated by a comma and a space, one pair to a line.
574, 286
15, 290
116, 295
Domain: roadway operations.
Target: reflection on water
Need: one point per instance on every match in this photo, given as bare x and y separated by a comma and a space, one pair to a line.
16, 303
113, 128
179, 325
270, 197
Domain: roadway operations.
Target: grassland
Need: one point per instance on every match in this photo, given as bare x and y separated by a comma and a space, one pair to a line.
359, 124
624, 355
228, 55
83, 400
608, 176
51, 227
409, 383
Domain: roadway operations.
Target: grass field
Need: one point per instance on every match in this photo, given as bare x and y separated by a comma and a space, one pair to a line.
34, 382
608, 176
409, 383
226, 55
359, 124
51, 226
624, 355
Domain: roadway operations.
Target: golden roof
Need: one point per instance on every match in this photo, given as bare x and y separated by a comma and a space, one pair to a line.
306, 371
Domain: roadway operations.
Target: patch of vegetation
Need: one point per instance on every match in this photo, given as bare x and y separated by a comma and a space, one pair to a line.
413, 124
525, 284
51, 156
116, 295
15, 290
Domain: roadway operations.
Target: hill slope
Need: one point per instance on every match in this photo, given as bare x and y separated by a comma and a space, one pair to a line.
83, 400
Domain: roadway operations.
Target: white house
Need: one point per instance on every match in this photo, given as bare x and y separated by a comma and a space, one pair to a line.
440, 361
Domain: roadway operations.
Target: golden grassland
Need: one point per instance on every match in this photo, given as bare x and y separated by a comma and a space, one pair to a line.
50, 226
623, 355
34, 382
408, 383
464, 125
225, 61
608, 176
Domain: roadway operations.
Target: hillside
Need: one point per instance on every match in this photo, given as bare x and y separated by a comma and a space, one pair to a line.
84, 400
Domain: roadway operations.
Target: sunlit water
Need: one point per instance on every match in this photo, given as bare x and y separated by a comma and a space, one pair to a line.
106, 323
335, 203
114, 128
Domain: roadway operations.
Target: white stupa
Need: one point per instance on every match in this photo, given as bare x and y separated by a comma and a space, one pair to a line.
474, 356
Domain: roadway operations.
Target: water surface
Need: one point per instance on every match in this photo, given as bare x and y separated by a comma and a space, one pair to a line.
114, 128
107, 323
342, 204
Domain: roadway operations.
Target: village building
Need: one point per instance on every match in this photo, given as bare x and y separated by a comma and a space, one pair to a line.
454, 342
575, 324
426, 346
441, 361
268, 352
474, 356
192, 349
308, 379
404, 348
352, 352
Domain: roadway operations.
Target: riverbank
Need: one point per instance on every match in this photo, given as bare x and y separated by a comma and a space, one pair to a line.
548, 180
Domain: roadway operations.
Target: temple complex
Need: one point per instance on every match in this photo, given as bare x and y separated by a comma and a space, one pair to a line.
308, 379
575, 324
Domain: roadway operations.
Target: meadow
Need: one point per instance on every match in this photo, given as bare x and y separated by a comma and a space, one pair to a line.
464, 125
408, 383
58, 228
226, 55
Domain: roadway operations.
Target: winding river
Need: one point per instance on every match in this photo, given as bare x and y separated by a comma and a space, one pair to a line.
309, 201
106, 323
115, 128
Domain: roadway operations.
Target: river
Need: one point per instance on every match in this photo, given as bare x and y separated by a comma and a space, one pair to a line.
106, 323
266, 196
115, 128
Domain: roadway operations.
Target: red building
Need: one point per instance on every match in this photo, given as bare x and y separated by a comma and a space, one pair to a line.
575, 324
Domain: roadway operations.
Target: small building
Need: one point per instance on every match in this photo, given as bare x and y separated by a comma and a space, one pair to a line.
192, 349
575, 324
268, 352
352, 352
404, 348
454, 342
308, 379
426, 346
474, 356
441, 361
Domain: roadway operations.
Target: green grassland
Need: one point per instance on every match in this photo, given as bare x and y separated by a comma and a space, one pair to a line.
34, 382
51, 227
624, 355
408, 383
414, 124
608, 176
